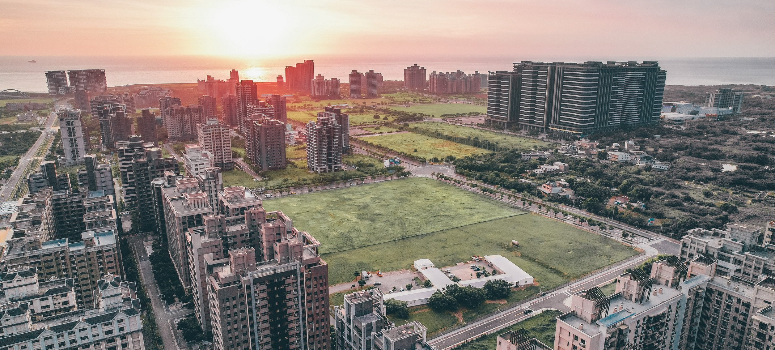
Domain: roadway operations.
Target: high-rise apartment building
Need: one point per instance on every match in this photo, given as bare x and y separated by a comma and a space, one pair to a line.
726, 99
325, 88
47, 177
356, 83
280, 110
57, 82
97, 103
324, 144
115, 124
181, 122
299, 78
72, 133
373, 82
414, 77
361, 316
89, 80
96, 177
502, 99
454, 83
284, 280
85, 260
215, 138
141, 163
265, 144
166, 103
581, 98
185, 206
146, 126
114, 323
197, 160
247, 95
229, 107
208, 104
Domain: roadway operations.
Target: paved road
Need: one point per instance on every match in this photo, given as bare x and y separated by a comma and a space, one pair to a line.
246, 168
172, 152
24, 161
166, 317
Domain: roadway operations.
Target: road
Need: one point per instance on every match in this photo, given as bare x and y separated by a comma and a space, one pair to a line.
552, 300
24, 162
166, 317
174, 154
246, 168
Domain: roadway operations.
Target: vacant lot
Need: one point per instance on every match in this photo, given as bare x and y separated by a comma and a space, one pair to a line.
502, 141
302, 116
423, 146
362, 216
438, 109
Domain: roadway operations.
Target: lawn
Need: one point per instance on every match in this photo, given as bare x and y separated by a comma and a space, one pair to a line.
302, 116
541, 326
462, 132
439, 109
552, 252
296, 152
391, 211
423, 146
26, 100
363, 118
238, 177
380, 129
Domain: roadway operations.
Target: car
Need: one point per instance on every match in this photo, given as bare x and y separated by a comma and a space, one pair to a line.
528, 311
377, 283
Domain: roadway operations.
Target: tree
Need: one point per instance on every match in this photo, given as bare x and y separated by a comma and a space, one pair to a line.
397, 308
497, 289
361, 283
427, 284
440, 302
191, 330
409, 286
469, 297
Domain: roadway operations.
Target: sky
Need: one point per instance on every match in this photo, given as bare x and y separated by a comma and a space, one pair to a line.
391, 28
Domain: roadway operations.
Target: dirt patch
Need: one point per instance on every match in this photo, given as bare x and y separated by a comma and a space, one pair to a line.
501, 301
459, 316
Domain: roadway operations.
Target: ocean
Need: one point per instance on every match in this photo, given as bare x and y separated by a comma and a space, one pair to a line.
17, 73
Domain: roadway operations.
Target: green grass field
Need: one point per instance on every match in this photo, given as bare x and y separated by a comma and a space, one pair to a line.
26, 100
506, 141
296, 152
302, 116
380, 129
541, 326
437, 109
367, 215
426, 147
238, 177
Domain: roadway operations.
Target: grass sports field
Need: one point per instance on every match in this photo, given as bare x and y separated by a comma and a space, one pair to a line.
423, 146
357, 217
389, 225
438, 109
506, 141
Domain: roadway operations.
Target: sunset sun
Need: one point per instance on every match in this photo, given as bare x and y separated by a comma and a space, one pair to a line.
252, 28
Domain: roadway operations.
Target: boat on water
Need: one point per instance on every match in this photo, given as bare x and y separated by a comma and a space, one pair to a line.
32, 61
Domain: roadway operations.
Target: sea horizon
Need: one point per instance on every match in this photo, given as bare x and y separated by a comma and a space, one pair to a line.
17, 73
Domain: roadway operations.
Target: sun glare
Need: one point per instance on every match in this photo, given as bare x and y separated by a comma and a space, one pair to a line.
252, 28
254, 73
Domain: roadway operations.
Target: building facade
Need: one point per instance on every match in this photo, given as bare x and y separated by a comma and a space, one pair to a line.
324, 144
215, 138
73, 141
265, 144
578, 98
414, 78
